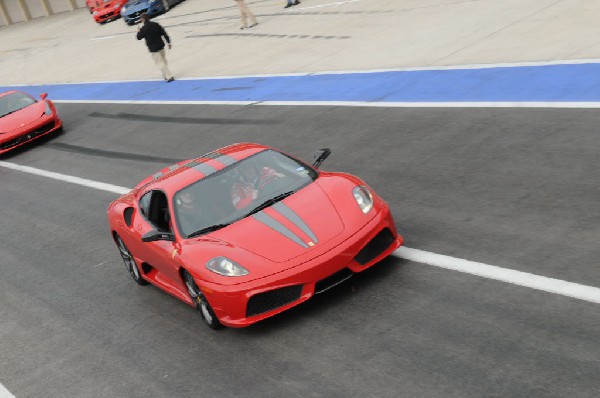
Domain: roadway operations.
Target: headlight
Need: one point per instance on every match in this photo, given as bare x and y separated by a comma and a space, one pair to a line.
95, 13
226, 267
47, 109
363, 198
117, 6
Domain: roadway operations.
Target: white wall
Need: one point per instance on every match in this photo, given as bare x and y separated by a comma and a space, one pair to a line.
36, 9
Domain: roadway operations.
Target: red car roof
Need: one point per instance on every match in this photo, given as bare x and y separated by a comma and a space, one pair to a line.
175, 177
8, 92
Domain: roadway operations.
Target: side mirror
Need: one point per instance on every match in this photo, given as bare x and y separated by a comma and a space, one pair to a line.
43, 95
155, 235
320, 156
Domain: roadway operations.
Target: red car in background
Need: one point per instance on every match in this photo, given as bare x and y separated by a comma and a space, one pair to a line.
105, 10
246, 231
92, 4
23, 119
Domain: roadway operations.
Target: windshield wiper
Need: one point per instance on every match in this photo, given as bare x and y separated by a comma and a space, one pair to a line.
270, 202
207, 229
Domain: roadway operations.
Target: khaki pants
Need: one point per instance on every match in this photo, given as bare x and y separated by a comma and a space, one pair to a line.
161, 60
246, 13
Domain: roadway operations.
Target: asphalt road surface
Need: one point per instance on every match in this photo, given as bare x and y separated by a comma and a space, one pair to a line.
516, 188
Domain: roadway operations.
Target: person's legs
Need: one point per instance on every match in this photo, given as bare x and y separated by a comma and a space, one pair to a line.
161, 60
242, 6
247, 13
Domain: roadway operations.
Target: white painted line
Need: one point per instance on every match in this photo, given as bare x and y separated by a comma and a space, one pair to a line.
437, 104
340, 72
573, 105
4, 393
336, 4
105, 37
551, 285
63, 177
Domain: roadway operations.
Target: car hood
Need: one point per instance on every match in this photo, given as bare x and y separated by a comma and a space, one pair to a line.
137, 6
104, 6
22, 117
291, 228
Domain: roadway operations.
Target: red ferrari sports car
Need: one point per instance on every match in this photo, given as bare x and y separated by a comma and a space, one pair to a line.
106, 10
246, 231
23, 119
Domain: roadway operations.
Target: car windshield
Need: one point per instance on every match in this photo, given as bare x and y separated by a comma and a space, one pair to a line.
13, 102
237, 191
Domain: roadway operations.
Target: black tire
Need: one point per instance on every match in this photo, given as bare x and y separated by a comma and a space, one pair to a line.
129, 261
202, 305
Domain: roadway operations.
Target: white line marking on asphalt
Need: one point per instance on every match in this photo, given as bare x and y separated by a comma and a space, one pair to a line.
105, 37
336, 4
574, 105
551, 285
102, 263
4, 393
339, 72
63, 177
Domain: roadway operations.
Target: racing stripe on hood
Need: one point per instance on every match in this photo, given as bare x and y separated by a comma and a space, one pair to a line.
295, 219
279, 227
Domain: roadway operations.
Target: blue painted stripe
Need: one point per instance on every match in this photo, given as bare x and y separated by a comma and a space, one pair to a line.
547, 83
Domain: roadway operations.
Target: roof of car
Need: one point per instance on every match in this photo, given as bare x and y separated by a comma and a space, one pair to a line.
8, 92
179, 175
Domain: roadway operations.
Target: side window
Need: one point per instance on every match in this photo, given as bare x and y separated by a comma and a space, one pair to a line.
159, 211
145, 204
155, 208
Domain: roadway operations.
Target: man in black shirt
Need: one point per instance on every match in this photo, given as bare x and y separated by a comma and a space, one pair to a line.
154, 33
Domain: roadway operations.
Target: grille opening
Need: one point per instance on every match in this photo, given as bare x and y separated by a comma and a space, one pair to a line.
27, 136
333, 280
375, 247
268, 301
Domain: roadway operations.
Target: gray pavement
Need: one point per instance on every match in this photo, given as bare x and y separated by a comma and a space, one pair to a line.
482, 184
318, 35
514, 188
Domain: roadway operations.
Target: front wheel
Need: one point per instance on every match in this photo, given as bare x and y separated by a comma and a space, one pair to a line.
130, 264
206, 311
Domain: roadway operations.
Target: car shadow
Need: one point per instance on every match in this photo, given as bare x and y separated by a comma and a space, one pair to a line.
43, 140
361, 283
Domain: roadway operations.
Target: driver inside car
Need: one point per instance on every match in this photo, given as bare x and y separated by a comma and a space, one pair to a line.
251, 179
189, 212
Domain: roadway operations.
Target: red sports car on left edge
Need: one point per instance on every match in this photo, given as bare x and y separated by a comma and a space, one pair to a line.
246, 231
23, 119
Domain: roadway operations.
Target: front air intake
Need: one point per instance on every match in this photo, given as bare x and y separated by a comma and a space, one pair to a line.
271, 300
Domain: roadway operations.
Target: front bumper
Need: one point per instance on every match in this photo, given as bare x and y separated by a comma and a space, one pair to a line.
107, 15
33, 131
247, 303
